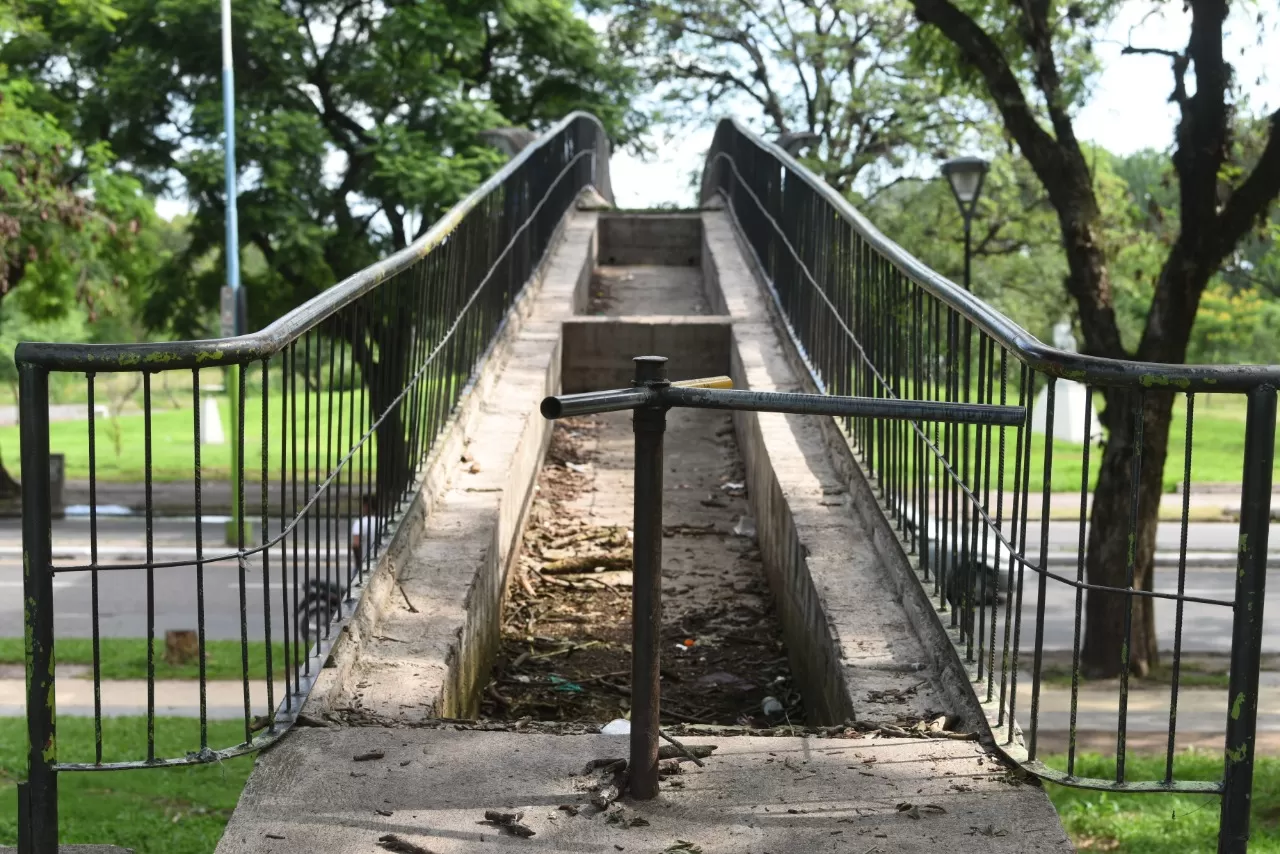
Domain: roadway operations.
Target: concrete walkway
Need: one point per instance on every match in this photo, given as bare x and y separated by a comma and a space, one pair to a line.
755, 795
128, 697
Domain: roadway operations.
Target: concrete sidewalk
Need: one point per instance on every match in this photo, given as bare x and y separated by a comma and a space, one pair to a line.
128, 697
756, 795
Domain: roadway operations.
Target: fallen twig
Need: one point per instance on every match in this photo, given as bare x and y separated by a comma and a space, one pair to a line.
584, 564
684, 749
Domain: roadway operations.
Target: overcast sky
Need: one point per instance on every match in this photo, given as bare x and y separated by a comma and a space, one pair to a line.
1129, 109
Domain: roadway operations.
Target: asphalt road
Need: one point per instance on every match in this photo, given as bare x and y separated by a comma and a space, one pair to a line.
122, 597
123, 602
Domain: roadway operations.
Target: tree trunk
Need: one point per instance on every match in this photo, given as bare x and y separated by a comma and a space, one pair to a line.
1111, 536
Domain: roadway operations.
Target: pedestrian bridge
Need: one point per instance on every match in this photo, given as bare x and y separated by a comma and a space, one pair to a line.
842, 638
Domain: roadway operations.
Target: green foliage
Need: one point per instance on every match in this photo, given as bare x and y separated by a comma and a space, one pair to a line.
828, 67
73, 228
357, 124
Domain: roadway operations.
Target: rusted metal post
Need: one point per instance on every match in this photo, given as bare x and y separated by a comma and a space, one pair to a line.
1246, 630
650, 423
40, 834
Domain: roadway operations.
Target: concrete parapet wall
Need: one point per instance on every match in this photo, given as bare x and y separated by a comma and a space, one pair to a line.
656, 238
422, 638
597, 351
848, 636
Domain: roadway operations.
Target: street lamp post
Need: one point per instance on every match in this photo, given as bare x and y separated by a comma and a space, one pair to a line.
966, 175
232, 311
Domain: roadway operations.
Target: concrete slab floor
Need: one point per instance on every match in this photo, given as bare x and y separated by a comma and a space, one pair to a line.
431, 788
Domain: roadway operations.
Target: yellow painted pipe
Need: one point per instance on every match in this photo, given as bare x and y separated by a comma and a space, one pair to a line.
706, 382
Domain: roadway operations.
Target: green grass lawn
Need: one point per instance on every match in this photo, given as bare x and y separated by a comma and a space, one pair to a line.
126, 658
153, 811
1217, 449
1158, 823
121, 442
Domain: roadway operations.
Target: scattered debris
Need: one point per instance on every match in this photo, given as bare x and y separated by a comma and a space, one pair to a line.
621, 819
913, 811
275, 836
617, 726
567, 619
895, 695
391, 842
694, 751
989, 830
682, 846
508, 822
604, 796
370, 756
571, 809
385, 812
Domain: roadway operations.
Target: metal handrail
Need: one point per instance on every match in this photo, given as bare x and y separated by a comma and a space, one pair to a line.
255, 346
1095, 370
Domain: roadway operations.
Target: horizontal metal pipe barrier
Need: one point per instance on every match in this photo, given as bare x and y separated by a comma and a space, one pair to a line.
696, 394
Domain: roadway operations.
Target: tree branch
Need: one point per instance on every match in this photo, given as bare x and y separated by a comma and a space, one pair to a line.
1254, 197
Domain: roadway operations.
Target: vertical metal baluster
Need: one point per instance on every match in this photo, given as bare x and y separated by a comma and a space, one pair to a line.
301, 653
241, 560
306, 496
1247, 627
1084, 520
1013, 604
1046, 492
1182, 589
264, 479
93, 576
1000, 549
151, 581
38, 795
197, 474
1129, 573
328, 494
287, 615
335, 487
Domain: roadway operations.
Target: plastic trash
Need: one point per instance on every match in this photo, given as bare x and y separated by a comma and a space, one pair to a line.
745, 527
771, 707
617, 726
559, 683
580, 468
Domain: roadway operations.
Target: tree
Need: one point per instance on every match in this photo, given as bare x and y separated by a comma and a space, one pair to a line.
358, 125
1032, 61
75, 233
830, 68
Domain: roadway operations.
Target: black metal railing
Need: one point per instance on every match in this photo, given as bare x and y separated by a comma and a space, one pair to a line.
334, 411
975, 506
